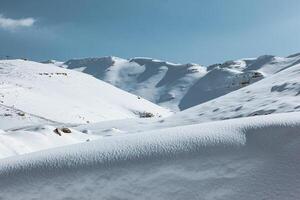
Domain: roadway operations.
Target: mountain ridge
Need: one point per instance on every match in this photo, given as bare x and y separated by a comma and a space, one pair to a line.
180, 86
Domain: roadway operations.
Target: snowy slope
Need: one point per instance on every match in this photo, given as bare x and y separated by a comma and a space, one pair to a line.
188, 155
233, 75
12, 117
160, 82
180, 86
278, 93
36, 138
51, 93
255, 158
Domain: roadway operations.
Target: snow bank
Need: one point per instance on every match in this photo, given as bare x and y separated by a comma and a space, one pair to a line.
250, 158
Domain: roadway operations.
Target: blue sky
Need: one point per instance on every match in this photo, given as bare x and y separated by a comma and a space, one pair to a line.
200, 31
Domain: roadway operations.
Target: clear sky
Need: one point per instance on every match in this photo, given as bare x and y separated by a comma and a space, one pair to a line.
200, 31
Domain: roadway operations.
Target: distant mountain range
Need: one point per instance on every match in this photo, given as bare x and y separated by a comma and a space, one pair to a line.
180, 86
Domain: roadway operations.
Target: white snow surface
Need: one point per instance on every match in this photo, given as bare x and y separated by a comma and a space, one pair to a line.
38, 137
158, 81
240, 141
247, 158
11, 118
278, 93
61, 95
180, 86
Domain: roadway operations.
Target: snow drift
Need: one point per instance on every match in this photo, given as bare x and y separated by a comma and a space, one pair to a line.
250, 158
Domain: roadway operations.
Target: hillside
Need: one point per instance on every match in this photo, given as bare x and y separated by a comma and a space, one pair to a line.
200, 152
180, 86
47, 93
277, 93
160, 82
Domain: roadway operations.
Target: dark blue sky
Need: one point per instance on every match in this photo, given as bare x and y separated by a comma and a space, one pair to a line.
201, 31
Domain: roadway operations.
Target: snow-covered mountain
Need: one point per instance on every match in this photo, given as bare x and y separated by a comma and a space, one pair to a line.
180, 86
160, 82
44, 92
278, 93
37, 100
200, 152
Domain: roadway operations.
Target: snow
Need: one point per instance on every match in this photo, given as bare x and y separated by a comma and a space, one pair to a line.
12, 118
180, 86
66, 96
37, 98
277, 93
38, 137
65, 134
161, 82
234, 159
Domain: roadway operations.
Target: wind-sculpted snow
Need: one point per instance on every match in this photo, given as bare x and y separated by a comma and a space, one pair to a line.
250, 158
